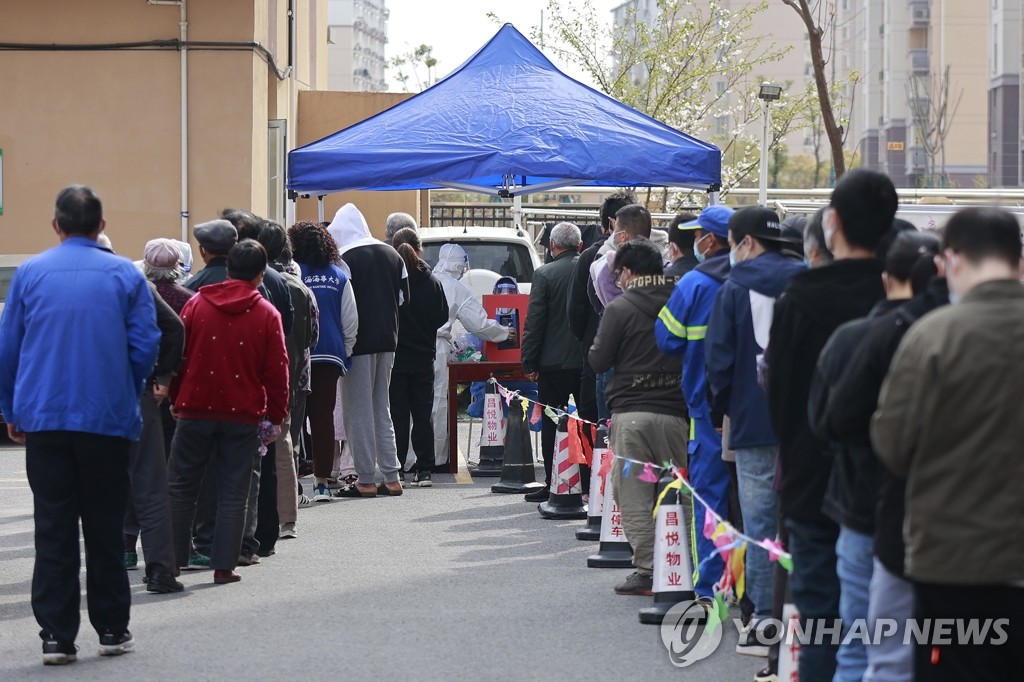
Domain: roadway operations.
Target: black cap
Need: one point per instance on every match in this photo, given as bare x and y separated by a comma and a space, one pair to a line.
759, 223
216, 236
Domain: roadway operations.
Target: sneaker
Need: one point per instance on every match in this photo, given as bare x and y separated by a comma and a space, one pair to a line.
637, 583
321, 493
197, 562
305, 501
115, 645
248, 559
751, 638
58, 653
422, 479
131, 560
766, 674
287, 530
305, 468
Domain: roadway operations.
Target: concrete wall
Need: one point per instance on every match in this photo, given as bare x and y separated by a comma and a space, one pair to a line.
324, 113
111, 118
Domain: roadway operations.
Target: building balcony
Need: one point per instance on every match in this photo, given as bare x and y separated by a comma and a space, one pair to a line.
920, 13
917, 61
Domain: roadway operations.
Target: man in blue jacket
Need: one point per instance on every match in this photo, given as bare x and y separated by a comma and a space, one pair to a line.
77, 410
680, 330
737, 336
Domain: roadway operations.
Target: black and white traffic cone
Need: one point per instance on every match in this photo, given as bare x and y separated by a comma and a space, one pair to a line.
614, 550
492, 437
673, 577
565, 497
595, 503
517, 468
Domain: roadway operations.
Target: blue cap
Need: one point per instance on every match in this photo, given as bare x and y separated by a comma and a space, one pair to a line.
713, 219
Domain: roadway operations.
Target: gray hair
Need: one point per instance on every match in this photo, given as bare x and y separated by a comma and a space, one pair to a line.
814, 236
565, 236
161, 274
396, 222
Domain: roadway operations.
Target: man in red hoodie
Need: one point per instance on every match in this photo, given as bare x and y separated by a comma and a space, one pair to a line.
235, 374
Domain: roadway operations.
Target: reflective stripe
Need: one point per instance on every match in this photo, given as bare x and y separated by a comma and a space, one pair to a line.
696, 333
674, 326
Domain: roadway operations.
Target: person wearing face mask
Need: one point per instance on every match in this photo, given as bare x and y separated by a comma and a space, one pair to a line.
817, 301
682, 252
736, 338
680, 330
949, 421
463, 307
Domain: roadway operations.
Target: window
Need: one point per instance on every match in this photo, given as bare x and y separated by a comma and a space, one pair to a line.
501, 257
276, 153
721, 125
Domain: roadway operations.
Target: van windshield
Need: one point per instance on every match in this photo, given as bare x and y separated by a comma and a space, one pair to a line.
503, 258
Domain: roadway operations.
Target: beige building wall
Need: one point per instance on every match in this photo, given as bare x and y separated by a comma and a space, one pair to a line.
324, 113
112, 118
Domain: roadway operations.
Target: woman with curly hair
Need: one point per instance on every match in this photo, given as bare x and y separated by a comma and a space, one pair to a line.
317, 256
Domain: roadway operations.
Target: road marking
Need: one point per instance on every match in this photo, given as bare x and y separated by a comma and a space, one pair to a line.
463, 476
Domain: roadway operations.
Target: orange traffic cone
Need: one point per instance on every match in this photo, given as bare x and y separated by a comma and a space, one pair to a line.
673, 577
595, 503
565, 497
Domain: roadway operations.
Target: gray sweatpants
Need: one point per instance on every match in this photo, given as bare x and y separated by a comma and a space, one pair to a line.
367, 410
644, 437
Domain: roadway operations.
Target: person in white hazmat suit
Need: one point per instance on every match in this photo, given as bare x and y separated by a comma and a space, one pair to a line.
463, 307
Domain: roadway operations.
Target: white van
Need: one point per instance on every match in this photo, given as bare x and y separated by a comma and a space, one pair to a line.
493, 252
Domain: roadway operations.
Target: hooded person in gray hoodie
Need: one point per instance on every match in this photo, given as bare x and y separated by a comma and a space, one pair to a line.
380, 282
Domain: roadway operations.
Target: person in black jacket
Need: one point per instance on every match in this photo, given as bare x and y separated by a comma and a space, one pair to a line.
850, 497
583, 317
273, 288
682, 253
650, 423
816, 302
412, 378
851, 403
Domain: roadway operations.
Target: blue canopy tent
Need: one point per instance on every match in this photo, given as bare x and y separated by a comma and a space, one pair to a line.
506, 122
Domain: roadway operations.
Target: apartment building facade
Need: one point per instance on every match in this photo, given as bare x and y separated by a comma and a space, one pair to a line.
171, 111
357, 37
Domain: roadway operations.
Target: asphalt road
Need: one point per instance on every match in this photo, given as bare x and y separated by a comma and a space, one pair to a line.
447, 583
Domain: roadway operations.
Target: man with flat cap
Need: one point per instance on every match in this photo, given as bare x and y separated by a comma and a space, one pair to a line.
215, 238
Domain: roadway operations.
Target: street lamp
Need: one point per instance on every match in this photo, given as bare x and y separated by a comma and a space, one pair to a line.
769, 92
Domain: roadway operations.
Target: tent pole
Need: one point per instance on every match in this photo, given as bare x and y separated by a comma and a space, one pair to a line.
517, 210
713, 199
320, 208
289, 208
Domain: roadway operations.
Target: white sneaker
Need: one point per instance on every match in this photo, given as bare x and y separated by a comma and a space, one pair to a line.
287, 530
305, 501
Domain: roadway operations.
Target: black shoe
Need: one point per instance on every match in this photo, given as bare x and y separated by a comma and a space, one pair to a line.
538, 495
58, 653
163, 583
637, 584
115, 645
422, 479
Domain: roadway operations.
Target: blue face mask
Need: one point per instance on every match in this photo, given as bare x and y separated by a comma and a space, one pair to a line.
732, 258
807, 263
697, 254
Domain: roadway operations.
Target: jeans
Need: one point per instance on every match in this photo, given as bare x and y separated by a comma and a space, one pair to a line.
78, 475
815, 588
755, 469
855, 557
891, 597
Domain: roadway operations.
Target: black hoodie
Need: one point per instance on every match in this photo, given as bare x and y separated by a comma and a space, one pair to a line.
814, 305
418, 323
855, 398
645, 380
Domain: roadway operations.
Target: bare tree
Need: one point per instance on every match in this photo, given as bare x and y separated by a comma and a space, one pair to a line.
815, 16
413, 60
932, 113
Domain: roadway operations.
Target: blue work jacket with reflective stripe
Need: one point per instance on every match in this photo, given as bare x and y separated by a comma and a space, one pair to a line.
683, 323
